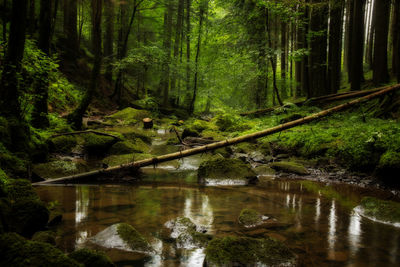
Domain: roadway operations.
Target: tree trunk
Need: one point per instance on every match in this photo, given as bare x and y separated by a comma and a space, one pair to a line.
318, 48
335, 45
370, 37
283, 59
4, 19
188, 69
76, 117
40, 110
32, 18
71, 30
349, 37
380, 66
109, 14
396, 41
357, 45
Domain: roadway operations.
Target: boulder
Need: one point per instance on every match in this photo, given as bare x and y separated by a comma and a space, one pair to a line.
222, 171
127, 147
245, 251
91, 258
250, 218
63, 144
95, 143
388, 168
124, 237
128, 116
289, 167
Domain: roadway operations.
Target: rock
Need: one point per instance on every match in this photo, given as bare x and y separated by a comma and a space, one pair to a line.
128, 116
17, 251
190, 132
59, 168
187, 234
241, 156
245, 251
381, 210
18, 189
389, 167
264, 170
127, 147
63, 144
250, 218
95, 143
225, 171
124, 237
257, 156
115, 160
45, 237
91, 258
55, 220
133, 133
289, 167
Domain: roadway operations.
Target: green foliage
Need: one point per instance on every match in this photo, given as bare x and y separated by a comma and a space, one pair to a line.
45, 237
18, 189
91, 258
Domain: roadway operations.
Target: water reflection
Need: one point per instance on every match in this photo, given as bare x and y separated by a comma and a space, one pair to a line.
317, 210
332, 227
354, 232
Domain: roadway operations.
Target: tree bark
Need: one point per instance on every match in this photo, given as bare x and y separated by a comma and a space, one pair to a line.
396, 41
380, 66
76, 117
40, 110
109, 13
284, 93
348, 37
357, 45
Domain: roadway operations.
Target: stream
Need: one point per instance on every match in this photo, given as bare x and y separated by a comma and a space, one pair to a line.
319, 223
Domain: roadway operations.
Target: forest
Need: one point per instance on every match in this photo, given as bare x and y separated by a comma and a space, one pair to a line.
199, 132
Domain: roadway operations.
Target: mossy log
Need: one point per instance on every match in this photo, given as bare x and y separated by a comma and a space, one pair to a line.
321, 99
202, 149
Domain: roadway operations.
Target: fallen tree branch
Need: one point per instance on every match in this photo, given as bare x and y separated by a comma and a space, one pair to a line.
177, 155
86, 132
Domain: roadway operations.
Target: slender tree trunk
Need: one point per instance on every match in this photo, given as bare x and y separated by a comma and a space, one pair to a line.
32, 18
349, 37
76, 117
380, 66
335, 45
40, 110
318, 48
283, 59
66, 15
188, 69
357, 45
4, 18
370, 35
109, 14
396, 41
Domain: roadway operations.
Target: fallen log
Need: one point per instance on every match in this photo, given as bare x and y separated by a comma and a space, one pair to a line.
86, 132
202, 149
320, 99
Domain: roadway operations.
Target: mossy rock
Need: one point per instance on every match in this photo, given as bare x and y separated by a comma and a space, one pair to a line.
290, 118
129, 116
28, 216
190, 132
244, 251
63, 144
249, 218
289, 167
228, 122
244, 148
264, 170
18, 189
116, 160
122, 236
95, 143
19, 252
389, 167
59, 168
382, 210
133, 133
45, 237
127, 147
3, 179
91, 258
225, 169
13, 165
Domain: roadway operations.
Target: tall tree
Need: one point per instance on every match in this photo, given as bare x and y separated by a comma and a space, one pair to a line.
335, 45
283, 58
380, 66
396, 41
188, 35
40, 110
75, 118
109, 38
318, 48
348, 37
357, 45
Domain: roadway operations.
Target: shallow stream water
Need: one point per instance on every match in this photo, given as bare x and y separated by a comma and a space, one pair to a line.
318, 222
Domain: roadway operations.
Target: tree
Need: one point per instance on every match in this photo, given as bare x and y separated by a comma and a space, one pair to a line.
40, 110
396, 40
380, 65
109, 38
75, 118
357, 45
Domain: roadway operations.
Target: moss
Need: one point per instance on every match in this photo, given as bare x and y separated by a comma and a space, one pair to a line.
63, 144
223, 168
13, 165
48, 237
59, 168
91, 258
127, 147
18, 189
115, 160
28, 216
389, 165
132, 237
241, 251
3, 178
190, 132
16, 251
382, 210
133, 133
290, 118
249, 217
290, 167
95, 143
129, 116
245, 148
228, 122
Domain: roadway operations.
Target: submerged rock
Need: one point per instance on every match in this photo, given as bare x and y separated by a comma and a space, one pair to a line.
243, 251
187, 234
91, 258
380, 210
250, 218
223, 171
124, 237
17, 251
289, 167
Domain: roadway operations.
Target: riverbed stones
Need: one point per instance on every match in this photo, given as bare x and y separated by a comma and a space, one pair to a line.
245, 251
289, 167
124, 237
225, 171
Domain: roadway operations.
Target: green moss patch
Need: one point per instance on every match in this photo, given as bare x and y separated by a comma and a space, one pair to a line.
383, 210
133, 133
128, 116
289, 167
241, 251
16, 251
63, 144
45, 237
132, 237
115, 160
59, 168
91, 258
127, 147
95, 143
18, 189
389, 166
249, 218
